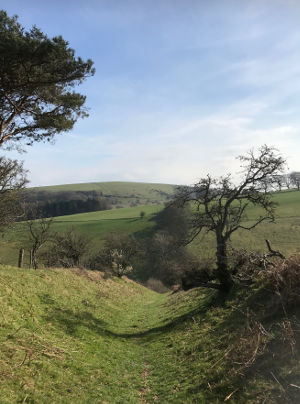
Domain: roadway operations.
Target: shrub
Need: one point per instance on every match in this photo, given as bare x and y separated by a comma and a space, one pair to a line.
156, 285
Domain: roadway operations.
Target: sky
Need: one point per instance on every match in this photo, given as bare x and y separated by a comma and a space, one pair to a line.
181, 88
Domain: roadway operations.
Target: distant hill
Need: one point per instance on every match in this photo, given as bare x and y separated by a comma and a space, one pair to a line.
120, 193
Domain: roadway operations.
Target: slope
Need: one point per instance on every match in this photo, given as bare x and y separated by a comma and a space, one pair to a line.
124, 192
72, 336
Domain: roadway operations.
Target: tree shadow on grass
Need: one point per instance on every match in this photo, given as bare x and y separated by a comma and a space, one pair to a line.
71, 322
147, 232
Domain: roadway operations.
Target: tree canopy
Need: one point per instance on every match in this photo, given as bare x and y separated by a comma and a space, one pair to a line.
220, 204
37, 76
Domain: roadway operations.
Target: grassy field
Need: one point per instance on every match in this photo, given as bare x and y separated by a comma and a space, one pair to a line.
96, 225
284, 234
70, 336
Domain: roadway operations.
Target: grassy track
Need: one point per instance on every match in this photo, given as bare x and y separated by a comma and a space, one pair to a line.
73, 337
68, 337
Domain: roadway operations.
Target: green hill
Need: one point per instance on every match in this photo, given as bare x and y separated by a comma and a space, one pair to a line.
70, 336
124, 192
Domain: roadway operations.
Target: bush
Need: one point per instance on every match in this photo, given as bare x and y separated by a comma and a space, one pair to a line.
156, 285
121, 253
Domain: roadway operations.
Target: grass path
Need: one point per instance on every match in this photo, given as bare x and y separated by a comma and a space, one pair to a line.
70, 336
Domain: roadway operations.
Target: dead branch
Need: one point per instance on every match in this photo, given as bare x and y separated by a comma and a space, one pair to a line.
273, 253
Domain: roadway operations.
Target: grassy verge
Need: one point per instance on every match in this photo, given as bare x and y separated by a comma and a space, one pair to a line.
63, 338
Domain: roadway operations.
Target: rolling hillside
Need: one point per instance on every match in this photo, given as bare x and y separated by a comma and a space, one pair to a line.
125, 193
284, 234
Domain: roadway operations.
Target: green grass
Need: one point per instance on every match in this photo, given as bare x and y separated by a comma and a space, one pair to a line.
63, 338
284, 234
114, 214
288, 205
73, 337
96, 225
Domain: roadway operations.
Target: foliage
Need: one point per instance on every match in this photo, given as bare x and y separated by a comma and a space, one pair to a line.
37, 75
174, 220
284, 233
156, 285
13, 181
166, 260
220, 205
63, 203
122, 252
120, 193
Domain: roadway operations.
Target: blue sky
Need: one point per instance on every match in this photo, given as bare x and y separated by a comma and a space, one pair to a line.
181, 87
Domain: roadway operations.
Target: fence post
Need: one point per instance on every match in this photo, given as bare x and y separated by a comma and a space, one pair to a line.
21, 256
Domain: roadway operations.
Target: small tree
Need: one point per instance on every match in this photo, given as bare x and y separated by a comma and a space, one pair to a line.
279, 181
295, 179
220, 205
121, 253
69, 248
287, 182
35, 233
142, 214
37, 75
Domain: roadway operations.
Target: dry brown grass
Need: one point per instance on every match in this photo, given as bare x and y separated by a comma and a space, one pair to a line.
285, 278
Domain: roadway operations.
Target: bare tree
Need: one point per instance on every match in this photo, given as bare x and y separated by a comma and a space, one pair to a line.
220, 205
35, 233
266, 184
287, 182
69, 248
279, 181
295, 179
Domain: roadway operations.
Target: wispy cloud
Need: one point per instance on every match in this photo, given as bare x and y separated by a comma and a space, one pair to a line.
181, 88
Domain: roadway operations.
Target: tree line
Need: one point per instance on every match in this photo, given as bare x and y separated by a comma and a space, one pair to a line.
282, 181
62, 203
